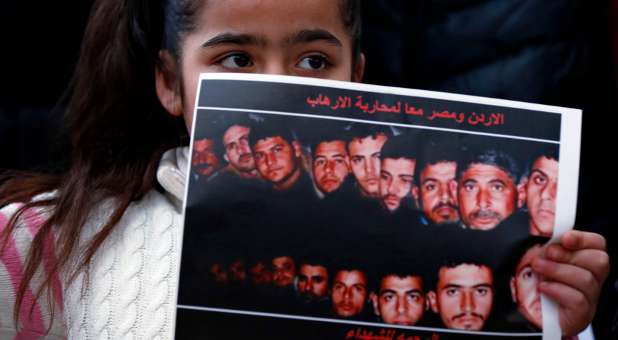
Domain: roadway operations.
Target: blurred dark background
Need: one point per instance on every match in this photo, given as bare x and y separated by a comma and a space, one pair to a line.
559, 52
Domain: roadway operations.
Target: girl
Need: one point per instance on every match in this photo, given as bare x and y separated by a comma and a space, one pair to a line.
99, 244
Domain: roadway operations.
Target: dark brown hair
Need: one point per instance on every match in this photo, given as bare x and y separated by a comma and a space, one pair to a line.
118, 128
118, 132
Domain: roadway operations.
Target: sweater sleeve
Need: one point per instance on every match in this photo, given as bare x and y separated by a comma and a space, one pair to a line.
35, 315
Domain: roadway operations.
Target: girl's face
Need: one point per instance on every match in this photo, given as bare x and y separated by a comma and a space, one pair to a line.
301, 38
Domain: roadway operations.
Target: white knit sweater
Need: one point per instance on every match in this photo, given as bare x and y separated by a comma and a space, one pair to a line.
131, 289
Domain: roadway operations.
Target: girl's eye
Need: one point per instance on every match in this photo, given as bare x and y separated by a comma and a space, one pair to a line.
313, 63
238, 60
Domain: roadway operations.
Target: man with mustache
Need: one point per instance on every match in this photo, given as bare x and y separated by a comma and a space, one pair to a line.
541, 186
463, 296
238, 152
396, 173
284, 271
433, 194
312, 283
486, 189
524, 286
204, 161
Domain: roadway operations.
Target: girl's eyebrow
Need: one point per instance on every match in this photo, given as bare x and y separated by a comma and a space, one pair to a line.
311, 35
302, 36
234, 38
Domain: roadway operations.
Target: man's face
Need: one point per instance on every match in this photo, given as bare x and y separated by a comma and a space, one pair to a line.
541, 188
260, 274
237, 271
284, 271
301, 38
400, 301
237, 149
275, 158
330, 165
524, 288
349, 293
464, 296
396, 180
204, 159
435, 197
365, 163
219, 274
312, 282
487, 195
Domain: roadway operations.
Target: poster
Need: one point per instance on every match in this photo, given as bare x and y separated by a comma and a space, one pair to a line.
320, 209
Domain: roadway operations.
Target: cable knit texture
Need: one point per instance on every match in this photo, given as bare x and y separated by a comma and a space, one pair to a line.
129, 289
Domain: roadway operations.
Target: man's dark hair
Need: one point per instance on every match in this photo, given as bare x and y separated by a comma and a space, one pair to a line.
401, 269
326, 134
399, 147
364, 130
351, 259
521, 250
494, 157
315, 260
435, 151
268, 130
454, 264
474, 247
546, 150
236, 121
368, 276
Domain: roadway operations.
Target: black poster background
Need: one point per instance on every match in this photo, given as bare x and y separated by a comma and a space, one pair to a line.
213, 228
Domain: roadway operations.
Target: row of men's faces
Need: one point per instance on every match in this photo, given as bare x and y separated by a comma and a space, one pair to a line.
482, 197
463, 296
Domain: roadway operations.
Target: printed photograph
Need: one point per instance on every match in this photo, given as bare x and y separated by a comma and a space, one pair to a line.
366, 222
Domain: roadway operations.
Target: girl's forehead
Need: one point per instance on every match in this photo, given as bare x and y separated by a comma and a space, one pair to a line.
272, 19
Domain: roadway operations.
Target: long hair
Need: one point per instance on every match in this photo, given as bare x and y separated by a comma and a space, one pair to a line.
118, 132
118, 129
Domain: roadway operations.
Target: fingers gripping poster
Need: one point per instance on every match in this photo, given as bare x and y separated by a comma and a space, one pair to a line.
320, 209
